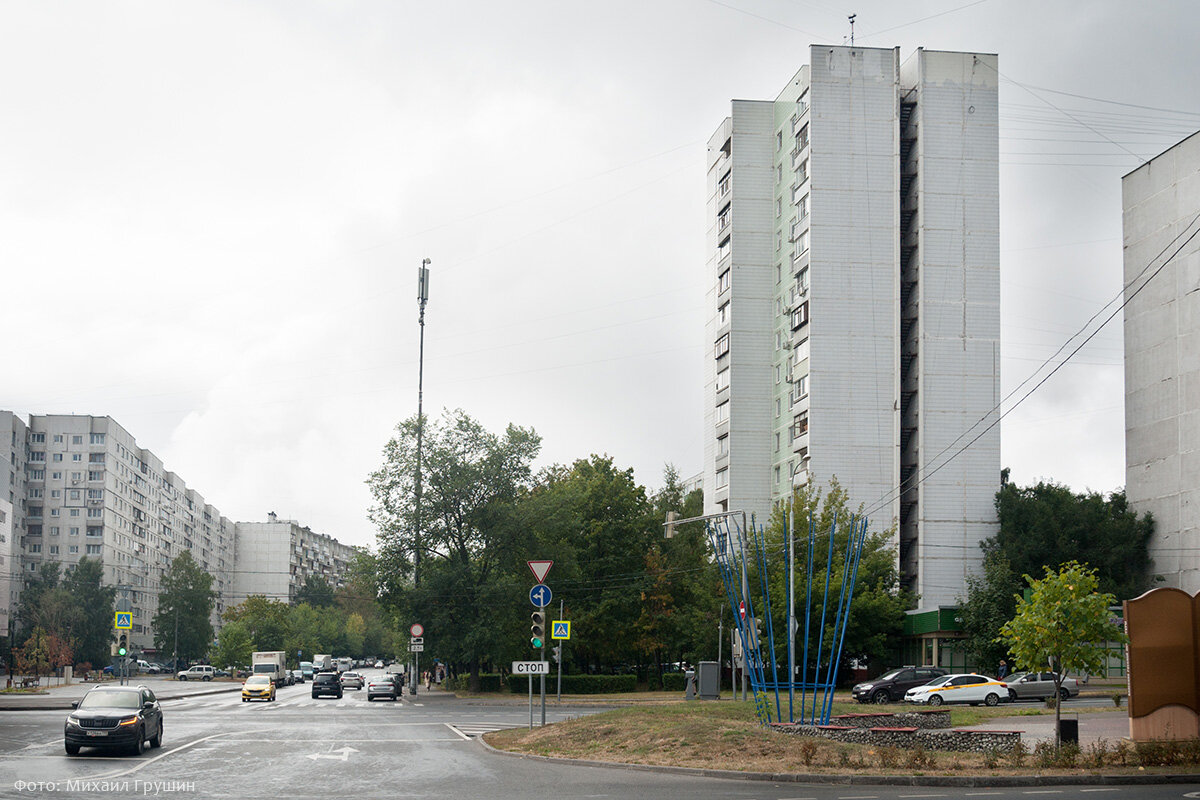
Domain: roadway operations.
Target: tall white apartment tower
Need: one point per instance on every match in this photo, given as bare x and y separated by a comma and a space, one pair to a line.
854, 257
1161, 203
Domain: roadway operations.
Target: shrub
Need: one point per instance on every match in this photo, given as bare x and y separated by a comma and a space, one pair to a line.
1097, 755
919, 758
808, 749
581, 684
843, 757
1121, 753
1043, 754
462, 683
1017, 754
888, 756
1068, 755
674, 682
1116, 698
991, 758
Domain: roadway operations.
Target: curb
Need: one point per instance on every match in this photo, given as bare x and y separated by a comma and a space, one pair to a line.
962, 781
54, 704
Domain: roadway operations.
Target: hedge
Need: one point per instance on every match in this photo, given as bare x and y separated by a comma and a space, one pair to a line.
674, 682
578, 684
462, 683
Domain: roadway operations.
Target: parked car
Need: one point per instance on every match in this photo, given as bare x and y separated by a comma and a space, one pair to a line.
122, 717
891, 686
324, 683
352, 680
200, 672
1039, 685
378, 665
221, 673
382, 686
258, 687
963, 688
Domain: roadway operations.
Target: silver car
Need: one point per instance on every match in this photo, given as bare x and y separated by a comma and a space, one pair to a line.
1038, 686
352, 680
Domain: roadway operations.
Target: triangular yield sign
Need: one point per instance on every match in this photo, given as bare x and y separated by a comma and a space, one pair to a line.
540, 568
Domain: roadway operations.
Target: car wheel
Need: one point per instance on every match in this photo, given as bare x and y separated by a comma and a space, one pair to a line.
139, 744
208, 677
1064, 694
72, 749
935, 700
1012, 696
156, 739
881, 697
992, 699
183, 677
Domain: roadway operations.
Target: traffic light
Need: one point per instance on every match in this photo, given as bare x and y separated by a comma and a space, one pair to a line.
556, 653
537, 629
123, 645
669, 533
755, 630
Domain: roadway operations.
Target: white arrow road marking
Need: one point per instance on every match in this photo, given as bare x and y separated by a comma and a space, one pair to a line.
345, 754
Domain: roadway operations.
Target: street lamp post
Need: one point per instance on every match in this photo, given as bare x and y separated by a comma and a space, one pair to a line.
422, 299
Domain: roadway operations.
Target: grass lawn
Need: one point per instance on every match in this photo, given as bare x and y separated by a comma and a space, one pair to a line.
726, 735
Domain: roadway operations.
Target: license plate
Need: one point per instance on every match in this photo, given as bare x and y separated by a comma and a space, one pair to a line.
97, 733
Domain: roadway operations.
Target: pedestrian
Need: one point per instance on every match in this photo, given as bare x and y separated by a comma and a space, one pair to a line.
428, 680
1002, 673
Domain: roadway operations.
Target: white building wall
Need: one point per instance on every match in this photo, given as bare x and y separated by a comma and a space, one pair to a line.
854, 349
958, 295
10, 567
1161, 201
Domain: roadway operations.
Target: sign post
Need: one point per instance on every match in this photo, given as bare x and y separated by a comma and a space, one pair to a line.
540, 596
417, 631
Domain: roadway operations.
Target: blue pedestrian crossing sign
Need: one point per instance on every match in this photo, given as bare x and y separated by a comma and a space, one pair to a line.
560, 629
123, 621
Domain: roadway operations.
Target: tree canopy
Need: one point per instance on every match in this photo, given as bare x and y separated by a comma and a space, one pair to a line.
1064, 624
185, 604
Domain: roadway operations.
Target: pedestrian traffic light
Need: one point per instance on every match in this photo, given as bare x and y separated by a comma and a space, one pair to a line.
756, 630
537, 629
556, 653
123, 645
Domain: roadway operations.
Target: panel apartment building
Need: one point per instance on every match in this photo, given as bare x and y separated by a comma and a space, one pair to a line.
1161, 210
81, 486
854, 259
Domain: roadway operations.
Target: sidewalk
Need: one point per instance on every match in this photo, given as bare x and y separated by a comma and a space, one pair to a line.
61, 697
1109, 726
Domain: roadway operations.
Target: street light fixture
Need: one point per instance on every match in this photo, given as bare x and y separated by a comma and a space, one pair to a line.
422, 299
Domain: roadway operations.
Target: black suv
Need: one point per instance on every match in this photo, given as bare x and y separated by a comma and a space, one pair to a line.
891, 686
115, 717
326, 683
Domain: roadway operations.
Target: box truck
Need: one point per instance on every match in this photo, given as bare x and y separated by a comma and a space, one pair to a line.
270, 662
322, 663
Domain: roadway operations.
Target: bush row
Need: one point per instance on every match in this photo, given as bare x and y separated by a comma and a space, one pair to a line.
578, 684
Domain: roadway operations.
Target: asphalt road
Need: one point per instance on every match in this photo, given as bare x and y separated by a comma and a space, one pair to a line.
300, 748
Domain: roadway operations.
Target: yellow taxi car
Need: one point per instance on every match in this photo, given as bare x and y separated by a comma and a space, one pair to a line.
970, 688
258, 687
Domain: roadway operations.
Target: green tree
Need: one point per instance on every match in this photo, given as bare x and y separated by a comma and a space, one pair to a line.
1047, 525
465, 541
267, 621
1063, 625
233, 647
876, 619
37, 585
185, 604
315, 591
989, 603
93, 632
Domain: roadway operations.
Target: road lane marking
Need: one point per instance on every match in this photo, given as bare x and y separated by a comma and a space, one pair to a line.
458, 732
922, 795
1043, 791
1099, 790
148, 762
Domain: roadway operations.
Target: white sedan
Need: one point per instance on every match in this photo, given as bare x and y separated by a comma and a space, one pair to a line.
973, 689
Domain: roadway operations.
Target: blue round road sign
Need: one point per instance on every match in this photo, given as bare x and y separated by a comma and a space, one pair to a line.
540, 595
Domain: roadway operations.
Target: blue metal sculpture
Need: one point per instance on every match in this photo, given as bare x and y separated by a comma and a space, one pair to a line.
730, 541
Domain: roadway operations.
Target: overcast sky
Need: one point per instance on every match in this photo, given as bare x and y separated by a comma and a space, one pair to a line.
212, 215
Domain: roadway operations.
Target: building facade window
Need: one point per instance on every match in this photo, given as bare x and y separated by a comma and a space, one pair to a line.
722, 346
723, 412
724, 281
723, 379
723, 314
722, 477
723, 445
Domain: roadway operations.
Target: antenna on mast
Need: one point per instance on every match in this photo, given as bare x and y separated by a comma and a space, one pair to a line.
851, 18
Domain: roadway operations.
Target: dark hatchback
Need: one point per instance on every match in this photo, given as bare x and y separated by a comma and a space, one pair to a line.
326, 683
115, 717
891, 686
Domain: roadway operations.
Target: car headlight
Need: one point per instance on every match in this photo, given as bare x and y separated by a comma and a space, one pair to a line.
128, 721
865, 686
73, 720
